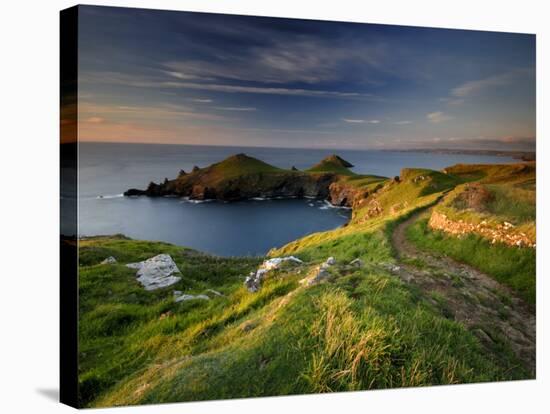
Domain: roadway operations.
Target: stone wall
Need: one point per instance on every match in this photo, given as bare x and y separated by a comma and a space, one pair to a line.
502, 233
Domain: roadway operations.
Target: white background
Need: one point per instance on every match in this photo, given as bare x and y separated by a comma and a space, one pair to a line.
29, 204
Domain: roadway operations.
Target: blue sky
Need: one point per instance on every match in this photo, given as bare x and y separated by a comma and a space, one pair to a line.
193, 78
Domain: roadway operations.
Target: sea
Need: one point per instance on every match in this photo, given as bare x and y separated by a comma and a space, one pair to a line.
247, 228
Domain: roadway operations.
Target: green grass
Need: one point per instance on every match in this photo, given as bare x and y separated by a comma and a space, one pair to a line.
512, 189
363, 329
513, 203
121, 326
241, 164
514, 267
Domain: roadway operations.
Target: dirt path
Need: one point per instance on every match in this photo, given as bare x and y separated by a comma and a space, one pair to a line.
490, 310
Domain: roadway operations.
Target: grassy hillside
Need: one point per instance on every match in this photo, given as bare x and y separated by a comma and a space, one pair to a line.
238, 165
364, 328
512, 266
501, 194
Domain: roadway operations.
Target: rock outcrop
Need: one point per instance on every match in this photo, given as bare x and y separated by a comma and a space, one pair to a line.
157, 272
344, 195
254, 280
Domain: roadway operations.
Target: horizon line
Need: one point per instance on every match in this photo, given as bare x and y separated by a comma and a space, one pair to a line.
316, 148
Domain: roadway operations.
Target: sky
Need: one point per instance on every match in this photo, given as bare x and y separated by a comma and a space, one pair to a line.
195, 78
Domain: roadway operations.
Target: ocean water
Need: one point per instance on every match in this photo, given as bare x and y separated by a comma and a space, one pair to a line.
226, 229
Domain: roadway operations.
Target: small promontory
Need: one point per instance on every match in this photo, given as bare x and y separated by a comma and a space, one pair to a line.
242, 177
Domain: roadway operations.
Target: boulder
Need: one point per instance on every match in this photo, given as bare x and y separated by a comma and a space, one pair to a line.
156, 272
109, 260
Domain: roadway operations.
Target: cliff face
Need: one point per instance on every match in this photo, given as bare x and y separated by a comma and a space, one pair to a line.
241, 177
343, 194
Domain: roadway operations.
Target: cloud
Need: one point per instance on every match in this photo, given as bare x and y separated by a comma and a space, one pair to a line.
475, 87
94, 120
402, 122
117, 78
257, 90
93, 111
181, 75
235, 108
202, 100
283, 60
437, 117
360, 121
480, 86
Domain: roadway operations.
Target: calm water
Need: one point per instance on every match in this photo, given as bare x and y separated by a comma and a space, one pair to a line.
251, 227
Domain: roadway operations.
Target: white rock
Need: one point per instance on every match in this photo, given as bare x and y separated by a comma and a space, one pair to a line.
184, 298
156, 272
356, 262
253, 281
276, 262
109, 260
331, 261
215, 292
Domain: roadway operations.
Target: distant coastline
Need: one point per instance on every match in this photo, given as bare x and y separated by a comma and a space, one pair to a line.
518, 155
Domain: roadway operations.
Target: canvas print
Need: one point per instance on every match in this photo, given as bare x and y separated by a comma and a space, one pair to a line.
257, 206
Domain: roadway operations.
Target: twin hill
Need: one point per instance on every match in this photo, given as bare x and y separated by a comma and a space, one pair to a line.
241, 177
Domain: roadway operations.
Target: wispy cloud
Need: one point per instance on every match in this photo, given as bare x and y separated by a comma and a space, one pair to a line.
361, 121
97, 111
477, 86
115, 78
402, 122
437, 117
202, 100
480, 86
304, 59
235, 108
285, 131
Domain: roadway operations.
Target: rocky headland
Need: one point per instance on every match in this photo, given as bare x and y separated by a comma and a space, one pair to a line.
241, 177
